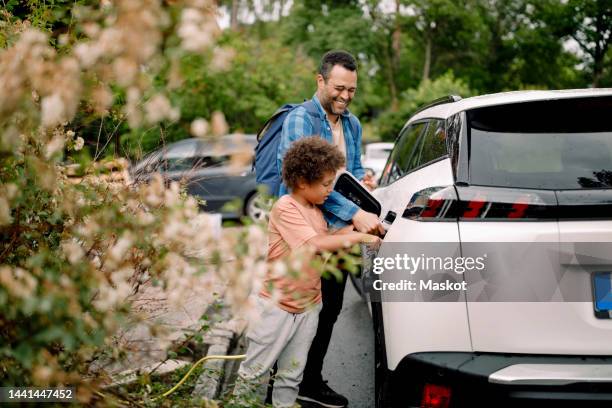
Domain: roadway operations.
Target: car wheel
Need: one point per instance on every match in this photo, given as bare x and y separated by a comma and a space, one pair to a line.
257, 208
381, 373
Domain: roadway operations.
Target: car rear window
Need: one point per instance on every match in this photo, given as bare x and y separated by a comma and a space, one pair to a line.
558, 145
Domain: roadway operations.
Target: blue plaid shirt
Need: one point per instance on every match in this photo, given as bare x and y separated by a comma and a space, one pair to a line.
338, 210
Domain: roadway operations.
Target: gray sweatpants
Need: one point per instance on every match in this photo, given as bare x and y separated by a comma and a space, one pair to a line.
280, 337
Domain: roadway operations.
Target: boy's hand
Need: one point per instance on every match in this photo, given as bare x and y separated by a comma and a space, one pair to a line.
372, 240
367, 223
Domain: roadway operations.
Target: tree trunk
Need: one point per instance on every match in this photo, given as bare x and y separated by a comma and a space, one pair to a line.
427, 64
597, 72
234, 15
391, 78
280, 10
395, 55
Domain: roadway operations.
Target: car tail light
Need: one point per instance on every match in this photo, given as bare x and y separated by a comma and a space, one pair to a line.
502, 204
436, 396
480, 203
434, 203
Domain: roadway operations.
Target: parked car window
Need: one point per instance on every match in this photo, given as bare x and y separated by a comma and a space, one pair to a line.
399, 160
434, 143
174, 164
205, 162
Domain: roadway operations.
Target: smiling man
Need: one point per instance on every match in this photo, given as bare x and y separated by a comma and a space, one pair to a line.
336, 87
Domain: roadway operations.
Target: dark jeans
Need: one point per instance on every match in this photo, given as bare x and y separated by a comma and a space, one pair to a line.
333, 295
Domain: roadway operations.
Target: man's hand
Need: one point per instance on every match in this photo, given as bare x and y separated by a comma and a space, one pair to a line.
369, 181
367, 223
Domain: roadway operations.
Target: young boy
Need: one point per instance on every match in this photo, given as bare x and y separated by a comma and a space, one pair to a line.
289, 322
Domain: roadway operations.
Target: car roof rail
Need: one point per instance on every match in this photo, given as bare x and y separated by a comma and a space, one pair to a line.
439, 101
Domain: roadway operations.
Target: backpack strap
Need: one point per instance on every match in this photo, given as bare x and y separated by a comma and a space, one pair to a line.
314, 114
283, 109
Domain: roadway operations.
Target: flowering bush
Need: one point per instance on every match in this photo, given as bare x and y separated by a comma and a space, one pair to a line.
72, 252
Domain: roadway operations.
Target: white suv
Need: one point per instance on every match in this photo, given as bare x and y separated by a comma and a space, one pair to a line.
504, 172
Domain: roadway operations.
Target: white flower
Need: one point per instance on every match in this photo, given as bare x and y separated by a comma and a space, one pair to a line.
197, 31
145, 218
79, 143
121, 247
18, 282
218, 124
279, 269
53, 110
102, 99
173, 229
11, 190
74, 252
125, 70
191, 15
158, 108
55, 145
222, 58
199, 127
32, 36
5, 212
88, 54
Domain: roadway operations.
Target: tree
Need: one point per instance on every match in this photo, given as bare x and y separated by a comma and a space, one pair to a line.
449, 33
589, 24
391, 122
524, 50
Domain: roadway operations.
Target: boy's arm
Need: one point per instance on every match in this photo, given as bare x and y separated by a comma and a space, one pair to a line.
344, 230
333, 242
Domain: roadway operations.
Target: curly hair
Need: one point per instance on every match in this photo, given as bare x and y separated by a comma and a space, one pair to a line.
308, 160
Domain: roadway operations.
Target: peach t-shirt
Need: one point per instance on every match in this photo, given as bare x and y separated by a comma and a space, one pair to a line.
291, 225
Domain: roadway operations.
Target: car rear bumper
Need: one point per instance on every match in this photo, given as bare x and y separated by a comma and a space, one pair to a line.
478, 379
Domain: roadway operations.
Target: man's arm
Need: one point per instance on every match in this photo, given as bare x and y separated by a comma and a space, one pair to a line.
340, 206
358, 170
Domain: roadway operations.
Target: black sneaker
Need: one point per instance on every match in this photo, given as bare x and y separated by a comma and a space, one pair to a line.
322, 395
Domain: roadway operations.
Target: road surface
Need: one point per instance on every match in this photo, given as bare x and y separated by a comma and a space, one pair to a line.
349, 365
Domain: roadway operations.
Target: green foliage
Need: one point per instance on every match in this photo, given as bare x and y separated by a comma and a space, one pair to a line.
390, 123
76, 244
490, 46
263, 75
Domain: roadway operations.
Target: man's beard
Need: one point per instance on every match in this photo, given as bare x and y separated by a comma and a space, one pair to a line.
328, 105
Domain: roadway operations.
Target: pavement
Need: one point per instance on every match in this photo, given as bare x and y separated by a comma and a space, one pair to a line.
349, 364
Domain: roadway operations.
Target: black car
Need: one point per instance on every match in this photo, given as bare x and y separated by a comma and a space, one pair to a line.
220, 172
